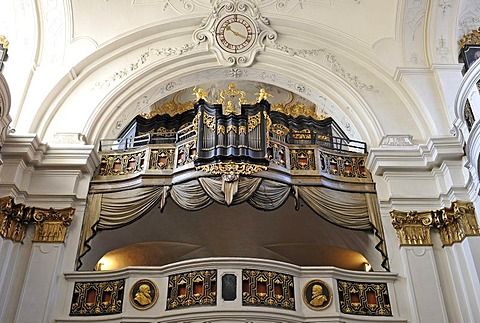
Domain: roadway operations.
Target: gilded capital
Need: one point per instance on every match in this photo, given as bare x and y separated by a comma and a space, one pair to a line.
14, 219
413, 228
51, 224
456, 222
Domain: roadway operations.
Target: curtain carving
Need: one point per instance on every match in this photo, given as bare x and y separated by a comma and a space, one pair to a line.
270, 195
190, 196
221, 190
358, 211
114, 210
348, 210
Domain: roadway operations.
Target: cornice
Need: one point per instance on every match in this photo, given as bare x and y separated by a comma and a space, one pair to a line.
29, 149
414, 158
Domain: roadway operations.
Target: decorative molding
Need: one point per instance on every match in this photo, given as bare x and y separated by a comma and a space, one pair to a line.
296, 51
232, 168
445, 5
397, 141
413, 228
332, 61
443, 51
457, 222
51, 224
217, 26
143, 59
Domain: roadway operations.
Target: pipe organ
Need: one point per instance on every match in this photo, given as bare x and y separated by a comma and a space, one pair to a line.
232, 136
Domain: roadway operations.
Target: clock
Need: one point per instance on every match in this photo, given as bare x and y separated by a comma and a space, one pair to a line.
236, 33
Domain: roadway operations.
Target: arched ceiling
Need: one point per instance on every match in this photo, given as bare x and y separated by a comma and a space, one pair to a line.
88, 66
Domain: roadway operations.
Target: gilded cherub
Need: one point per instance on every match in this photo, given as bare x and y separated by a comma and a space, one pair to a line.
263, 95
200, 94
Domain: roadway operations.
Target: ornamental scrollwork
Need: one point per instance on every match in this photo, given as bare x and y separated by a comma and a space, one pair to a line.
51, 224
171, 108
121, 164
454, 224
232, 168
254, 121
209, 121
413, 228
472, 38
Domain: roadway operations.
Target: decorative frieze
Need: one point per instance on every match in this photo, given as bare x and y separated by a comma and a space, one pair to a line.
454, 224
51, 225
232, 168
413, 228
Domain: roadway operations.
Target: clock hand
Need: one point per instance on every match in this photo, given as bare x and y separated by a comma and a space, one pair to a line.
236, 33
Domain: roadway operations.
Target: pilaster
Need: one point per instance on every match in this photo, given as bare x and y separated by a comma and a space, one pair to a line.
459, 234
418, 261
43, 185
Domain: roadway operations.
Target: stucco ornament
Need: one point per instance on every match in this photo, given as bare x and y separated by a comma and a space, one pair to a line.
235, 31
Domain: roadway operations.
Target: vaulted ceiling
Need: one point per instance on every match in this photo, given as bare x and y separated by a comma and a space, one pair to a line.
89, 66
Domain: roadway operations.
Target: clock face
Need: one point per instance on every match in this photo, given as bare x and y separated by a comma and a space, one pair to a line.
236, 33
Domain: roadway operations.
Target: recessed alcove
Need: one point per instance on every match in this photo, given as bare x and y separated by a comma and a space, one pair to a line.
298, 237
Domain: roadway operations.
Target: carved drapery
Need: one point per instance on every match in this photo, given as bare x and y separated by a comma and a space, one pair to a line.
116, 209
454, 224
51, 225
349, 210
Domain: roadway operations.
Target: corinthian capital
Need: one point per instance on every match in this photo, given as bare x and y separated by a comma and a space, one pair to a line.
413, 228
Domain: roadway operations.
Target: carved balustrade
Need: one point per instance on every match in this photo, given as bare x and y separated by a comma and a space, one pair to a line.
289, 159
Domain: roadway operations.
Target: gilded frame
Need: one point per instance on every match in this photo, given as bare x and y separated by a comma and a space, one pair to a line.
307, 295
136, 293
